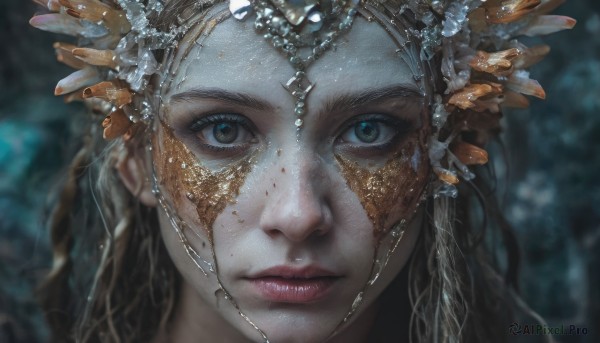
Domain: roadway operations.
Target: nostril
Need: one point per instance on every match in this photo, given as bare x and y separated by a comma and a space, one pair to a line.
296, 215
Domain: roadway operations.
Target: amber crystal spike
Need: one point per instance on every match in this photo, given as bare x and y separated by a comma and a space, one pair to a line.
446, 176
496, 63
101, 58
466, 98
115, 124
114, 92
64, 54
469, 154
510, 11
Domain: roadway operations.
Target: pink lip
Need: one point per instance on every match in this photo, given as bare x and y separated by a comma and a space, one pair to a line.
293, 285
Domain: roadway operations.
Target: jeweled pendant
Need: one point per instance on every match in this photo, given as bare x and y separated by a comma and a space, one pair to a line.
315, 21
240, 8
295, 11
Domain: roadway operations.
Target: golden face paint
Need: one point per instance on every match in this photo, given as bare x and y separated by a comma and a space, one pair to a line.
184, 178
397, 186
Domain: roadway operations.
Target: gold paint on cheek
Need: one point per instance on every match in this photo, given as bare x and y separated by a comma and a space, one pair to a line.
185, 179
396, 186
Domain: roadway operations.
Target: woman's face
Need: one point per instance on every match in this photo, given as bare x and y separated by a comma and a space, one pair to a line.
293, 224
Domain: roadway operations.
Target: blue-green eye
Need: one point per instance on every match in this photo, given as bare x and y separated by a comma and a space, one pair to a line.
372, 132
225, 132
367, 131
222, 131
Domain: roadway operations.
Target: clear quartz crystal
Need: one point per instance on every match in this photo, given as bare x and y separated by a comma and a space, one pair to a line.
93, 30
240, 8
446, 190
135, 14
456, 16
148, 63
437, 150
136, 79
155, 5
315, 21
440, 115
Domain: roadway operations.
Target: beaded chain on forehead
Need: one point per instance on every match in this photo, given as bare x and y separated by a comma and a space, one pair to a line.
291, 26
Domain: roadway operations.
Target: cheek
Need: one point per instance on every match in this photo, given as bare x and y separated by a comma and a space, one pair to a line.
391, 192
187, 182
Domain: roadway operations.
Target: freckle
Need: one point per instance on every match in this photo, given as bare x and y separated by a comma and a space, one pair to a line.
278, 152
234, 212
231, 255
241, 221
283, 170
204, 244
267, 193
274, 186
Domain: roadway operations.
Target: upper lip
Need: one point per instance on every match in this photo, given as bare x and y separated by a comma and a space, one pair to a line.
288, 272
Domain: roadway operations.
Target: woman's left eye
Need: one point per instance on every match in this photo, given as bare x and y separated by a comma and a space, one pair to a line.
369, 132
225, 133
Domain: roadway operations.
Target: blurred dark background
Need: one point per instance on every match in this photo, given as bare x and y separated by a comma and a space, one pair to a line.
552, 199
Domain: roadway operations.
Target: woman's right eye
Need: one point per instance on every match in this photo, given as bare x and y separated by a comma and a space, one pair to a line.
223, 132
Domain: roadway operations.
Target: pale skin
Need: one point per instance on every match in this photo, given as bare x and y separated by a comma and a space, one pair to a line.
295, 208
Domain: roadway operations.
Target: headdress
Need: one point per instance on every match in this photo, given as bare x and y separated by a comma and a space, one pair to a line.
482, 64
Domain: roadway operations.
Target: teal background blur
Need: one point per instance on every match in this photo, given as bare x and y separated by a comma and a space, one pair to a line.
552, 199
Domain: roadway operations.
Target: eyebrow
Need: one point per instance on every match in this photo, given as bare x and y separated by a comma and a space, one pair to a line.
218, 94
338, 103
350, 101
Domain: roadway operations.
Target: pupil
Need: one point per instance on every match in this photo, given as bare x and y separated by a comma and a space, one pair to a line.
225, 133
367, 131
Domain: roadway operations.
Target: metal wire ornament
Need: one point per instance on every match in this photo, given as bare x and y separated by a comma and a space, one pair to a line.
303, 30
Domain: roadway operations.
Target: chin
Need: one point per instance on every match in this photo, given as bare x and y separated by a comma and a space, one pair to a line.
291, 327
298, 335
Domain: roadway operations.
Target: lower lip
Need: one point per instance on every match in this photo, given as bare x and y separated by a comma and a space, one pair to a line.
278, 289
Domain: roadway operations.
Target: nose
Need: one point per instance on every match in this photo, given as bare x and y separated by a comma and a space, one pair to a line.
297, 205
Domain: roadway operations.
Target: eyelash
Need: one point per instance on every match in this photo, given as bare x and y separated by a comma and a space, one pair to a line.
200, 123
400, 125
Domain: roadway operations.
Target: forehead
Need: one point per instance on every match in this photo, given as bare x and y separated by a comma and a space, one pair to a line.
234, 57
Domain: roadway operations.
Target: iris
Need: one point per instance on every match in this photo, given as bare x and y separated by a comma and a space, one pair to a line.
367, 131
